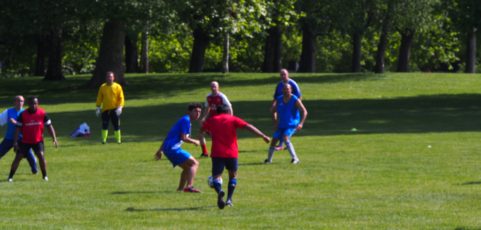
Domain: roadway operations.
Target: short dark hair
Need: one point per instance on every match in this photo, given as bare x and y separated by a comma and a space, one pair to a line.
193, 106
222, 109
32, 98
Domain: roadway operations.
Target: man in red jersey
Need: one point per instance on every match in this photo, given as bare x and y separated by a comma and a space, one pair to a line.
31, 123
214, 99
224, 153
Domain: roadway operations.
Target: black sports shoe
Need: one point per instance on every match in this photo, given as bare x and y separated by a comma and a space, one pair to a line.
204, 155
220, 201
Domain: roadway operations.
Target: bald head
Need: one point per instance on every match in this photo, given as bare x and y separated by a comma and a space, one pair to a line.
214, 86
284, 74
18, 102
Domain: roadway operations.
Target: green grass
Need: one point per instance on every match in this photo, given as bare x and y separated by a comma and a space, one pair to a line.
413, 163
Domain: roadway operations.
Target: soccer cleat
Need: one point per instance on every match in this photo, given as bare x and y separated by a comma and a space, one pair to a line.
295, 161
34, 172
267, 161
191, 189
45, 178
10, 179
204, 155
229, 203
220, 201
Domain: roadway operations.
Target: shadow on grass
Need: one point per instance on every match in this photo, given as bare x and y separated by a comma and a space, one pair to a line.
140, 192
467, 228
132, 209
472, 183
421, 114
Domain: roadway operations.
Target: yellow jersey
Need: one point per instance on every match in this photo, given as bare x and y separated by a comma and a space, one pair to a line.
110, 96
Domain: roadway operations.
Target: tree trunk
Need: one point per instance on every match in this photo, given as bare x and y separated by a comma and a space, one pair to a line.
144, 52
383, 40
54, 68
110, 54
308, 53
273, 47
201, 41
471, 52
356, 52
39, 69
225, 54
405, 51
131, 54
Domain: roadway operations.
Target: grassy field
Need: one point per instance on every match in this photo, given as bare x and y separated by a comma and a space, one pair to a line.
393, 151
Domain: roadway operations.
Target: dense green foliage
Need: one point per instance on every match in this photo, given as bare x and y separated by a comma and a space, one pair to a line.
413, 162
438, 27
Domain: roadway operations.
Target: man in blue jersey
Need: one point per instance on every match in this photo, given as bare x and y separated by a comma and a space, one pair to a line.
288, 120
9, 117
284, 74
171, 147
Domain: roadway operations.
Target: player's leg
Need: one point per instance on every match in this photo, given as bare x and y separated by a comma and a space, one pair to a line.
203, 147
116, 123
272, 147
290, 147
18, 157
5, 146
232, 166
190, 167
218, 165
38, 149
32, 161
105, 126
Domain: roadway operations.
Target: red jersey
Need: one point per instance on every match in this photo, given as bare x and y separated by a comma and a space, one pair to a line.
212, 101
222, 129
32, 125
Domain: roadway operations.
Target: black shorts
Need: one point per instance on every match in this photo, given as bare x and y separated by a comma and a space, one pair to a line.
218, 165
37, 148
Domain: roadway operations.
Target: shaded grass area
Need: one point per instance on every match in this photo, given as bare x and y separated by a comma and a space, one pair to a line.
413, 162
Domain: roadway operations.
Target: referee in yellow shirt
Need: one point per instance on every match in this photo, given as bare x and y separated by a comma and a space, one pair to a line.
111, 98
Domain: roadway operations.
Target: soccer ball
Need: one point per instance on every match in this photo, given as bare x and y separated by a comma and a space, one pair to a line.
210, 181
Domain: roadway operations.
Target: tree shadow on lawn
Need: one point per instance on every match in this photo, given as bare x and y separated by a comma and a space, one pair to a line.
420, 114
471, 183
132, 209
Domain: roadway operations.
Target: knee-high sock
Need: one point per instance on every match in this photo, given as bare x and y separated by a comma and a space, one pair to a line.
217, 185
118, 136
270, 153
292, 151
231, 188
203, 146
105, 133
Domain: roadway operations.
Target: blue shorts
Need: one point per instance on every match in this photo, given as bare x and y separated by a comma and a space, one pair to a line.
176, 156
218, 165
280, 132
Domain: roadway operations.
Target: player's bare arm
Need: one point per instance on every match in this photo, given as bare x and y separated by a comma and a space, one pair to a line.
303, 109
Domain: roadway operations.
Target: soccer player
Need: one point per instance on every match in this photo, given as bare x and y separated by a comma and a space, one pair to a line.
111, 97
224, 153
214, 99
171, 147
288, 121
284, 74
31, 124
9, 117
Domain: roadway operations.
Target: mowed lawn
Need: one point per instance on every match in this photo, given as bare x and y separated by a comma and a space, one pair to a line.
393, 151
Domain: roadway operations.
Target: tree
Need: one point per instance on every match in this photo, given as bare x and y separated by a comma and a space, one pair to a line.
386, 11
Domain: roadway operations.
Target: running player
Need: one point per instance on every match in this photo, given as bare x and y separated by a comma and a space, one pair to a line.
9, 117
214, 99
222, 128
171, 147
288, 121
31, 123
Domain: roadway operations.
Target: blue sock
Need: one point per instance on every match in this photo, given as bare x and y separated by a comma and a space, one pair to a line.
231, 188
217, 185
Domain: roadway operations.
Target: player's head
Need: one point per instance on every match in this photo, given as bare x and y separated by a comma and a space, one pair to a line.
284, 75
287, 89
214, 86
109, 77
222, 109
32, 102
18, 101
194, 110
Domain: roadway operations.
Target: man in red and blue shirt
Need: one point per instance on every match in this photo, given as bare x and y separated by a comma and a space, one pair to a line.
224, 152
31, 124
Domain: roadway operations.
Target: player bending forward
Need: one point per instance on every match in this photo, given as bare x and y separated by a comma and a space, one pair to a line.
224, 151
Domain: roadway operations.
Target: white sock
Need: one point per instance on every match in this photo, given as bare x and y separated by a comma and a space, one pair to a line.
292, 151
270, 153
